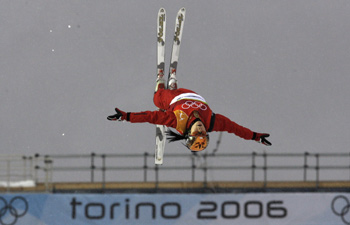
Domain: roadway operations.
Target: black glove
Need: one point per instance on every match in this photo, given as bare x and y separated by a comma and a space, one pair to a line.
259, 137
119, 116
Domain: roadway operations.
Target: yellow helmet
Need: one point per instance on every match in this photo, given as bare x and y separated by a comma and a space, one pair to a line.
197, 142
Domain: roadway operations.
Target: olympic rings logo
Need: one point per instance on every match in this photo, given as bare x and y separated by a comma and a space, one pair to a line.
194, 105
17, 207
341, 207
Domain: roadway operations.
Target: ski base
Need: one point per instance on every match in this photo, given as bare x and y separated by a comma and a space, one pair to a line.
160, 129
160, 144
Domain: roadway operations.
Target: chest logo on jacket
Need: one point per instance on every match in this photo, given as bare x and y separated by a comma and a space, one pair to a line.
194, 105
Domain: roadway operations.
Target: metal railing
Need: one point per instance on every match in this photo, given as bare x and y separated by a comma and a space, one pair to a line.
252, 167
15, 169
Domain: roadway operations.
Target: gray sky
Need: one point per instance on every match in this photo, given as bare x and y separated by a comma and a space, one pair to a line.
280, 67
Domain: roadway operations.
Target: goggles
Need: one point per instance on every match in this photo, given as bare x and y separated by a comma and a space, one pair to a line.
197, 142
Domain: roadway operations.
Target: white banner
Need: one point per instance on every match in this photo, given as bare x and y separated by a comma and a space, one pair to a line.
247, 209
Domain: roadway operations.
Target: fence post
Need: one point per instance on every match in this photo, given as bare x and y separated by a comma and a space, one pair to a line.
305, 165
48, 173
317, 170
8, 174
193, 167
265, 169
253, 166
31, 167
24, 158
145, 155
156, 170
205, 170
103, 171
37, 167
92, 167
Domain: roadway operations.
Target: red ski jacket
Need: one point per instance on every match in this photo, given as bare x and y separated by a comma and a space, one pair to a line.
184, 111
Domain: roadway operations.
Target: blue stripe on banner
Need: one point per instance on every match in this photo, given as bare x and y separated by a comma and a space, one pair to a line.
259, 208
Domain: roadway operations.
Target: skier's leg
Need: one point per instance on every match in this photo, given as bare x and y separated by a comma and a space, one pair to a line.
172, 81
160, 98
160, 82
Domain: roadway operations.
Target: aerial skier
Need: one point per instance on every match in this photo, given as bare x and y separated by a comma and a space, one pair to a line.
182, 109
189, 114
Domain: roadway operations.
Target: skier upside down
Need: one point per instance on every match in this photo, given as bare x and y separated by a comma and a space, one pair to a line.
189, 114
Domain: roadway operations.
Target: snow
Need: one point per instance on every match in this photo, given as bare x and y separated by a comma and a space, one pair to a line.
24, 183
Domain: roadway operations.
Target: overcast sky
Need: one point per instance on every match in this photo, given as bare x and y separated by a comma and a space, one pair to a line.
280, 67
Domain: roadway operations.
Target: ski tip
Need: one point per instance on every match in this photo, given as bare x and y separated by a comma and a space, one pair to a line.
161, 10
182, 9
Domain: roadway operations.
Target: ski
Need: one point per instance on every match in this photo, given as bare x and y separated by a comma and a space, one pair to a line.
161, 28
161, 25
179, 25
160, 129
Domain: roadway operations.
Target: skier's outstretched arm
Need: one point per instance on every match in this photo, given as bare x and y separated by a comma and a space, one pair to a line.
223, 123
154, 117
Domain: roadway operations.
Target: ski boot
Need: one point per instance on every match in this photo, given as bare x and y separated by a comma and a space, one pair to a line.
172, 81
160, 82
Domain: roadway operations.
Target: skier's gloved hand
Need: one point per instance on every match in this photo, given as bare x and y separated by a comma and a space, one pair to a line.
261, 137
119, 116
